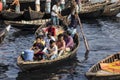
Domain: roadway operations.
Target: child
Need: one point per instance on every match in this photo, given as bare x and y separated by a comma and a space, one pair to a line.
61, 44
48, 38
51, 51
38, 46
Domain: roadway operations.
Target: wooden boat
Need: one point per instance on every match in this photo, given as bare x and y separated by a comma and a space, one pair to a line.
47, 63
91, 10
3, 32
96, 73
111, 9
32, 15
27, 25
11, 15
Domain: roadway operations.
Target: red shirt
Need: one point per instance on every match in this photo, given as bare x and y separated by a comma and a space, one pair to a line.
51, 30
1, 6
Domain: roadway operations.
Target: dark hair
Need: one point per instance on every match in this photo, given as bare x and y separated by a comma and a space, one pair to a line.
50, 23
39, 37
60, 35
57, 1
52, 41
68, 32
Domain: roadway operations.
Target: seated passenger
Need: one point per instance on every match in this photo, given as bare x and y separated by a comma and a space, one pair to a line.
51, 52
48, 38
51, 29
61, 44
38, 46
69, 41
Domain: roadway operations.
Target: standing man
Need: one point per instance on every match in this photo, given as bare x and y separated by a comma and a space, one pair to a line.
79, 4
56, 10
48, 6
17, 8
73, 19
1, 6
62, 4
37, 5
4, 3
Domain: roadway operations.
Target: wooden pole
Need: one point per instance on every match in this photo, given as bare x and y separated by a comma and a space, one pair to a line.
84, 38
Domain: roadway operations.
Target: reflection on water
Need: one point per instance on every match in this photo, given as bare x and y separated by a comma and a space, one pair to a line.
102, 35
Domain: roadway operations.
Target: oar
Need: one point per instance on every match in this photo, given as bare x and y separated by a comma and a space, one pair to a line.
85, 40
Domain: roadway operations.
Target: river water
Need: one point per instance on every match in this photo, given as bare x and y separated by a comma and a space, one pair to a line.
102, 35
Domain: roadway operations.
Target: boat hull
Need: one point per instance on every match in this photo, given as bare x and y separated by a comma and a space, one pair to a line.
28, 66
27, 25
8, 15
111, 10
96, 73
33, 15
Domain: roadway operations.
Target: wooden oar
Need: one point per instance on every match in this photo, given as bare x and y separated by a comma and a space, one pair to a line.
85, 40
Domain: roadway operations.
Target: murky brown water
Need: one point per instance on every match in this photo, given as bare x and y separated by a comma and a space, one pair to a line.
104, 39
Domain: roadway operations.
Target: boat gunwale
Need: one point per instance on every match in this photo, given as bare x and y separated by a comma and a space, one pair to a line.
90, 73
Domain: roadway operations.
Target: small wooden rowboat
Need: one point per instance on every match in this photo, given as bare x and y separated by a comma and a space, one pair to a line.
33, 15
88, 10
111, 9
9, 15
96, 73
47, 63
3, 32
27, 25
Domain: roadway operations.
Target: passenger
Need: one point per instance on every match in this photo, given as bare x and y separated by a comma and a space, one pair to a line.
17, 8
61, 44
51, 52
38, 46
69, 41
51, 29
62, 4
56, 10
37, 5
73, 24
48, 38
1, 6
48, 6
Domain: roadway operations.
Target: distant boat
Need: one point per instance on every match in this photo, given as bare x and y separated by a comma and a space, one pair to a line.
31, 65
11, 15
32, 15
111, 9
97, 73
90, 10
3, 32
27, 25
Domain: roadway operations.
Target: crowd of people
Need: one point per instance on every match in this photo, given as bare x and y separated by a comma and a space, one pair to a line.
52, 44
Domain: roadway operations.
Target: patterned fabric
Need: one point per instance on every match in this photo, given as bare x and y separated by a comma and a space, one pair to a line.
113, 67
